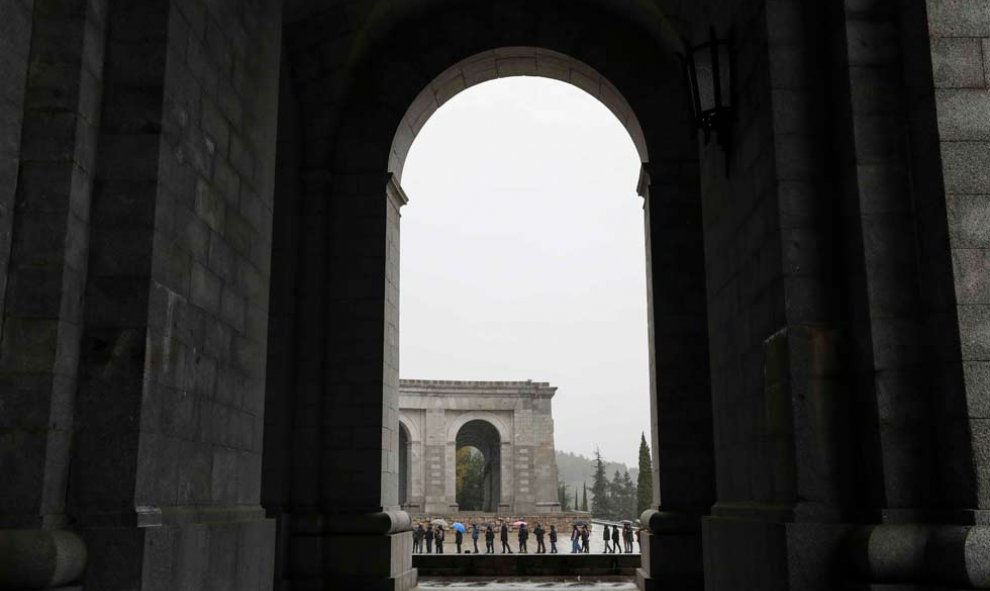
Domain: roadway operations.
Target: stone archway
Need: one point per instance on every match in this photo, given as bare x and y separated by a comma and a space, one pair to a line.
483, 437
818, 323
351, 192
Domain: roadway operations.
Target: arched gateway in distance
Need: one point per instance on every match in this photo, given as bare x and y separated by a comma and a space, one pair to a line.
510, 423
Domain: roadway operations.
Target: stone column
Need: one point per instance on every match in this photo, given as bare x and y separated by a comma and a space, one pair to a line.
680, 404
52, 81
165, 486
435, 461
365, 540
944, 48
450, 475
507, 498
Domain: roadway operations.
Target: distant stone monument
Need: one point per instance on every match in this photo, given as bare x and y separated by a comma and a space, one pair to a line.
510, 423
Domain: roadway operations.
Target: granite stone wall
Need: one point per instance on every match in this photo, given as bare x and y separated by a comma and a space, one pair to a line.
199, 252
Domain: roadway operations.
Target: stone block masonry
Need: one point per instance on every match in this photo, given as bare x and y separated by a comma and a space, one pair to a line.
200, 204
511, 423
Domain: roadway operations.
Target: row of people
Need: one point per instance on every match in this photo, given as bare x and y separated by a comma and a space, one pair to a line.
426, 537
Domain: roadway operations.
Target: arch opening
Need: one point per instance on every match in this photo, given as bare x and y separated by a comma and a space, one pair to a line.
479, 466
502, 63
405, 460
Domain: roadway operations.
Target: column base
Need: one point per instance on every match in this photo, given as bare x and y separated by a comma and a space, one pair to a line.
238, 552
41, 559
670, 561
771, 555
372, 562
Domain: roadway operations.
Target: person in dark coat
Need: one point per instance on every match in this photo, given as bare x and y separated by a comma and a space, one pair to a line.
627, 533
585, 539
474, 536
440, 535
575, 540
553, 539
606, 537
489, 540
418, 534
523, 536
429, 539
504, 537
541, 547
615, 538
458, 539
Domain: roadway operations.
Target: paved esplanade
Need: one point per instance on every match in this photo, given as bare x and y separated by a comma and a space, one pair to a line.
199, 283
510, 423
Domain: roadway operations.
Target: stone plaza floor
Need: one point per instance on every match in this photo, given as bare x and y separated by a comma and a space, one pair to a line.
529, 584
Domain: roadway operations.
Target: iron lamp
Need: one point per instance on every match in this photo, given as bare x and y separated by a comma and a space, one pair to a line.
708, 68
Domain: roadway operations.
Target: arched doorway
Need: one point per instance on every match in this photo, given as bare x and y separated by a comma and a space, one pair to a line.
479, 467
349, 202
405, 459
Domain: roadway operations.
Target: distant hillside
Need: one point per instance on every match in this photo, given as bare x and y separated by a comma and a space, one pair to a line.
574, 470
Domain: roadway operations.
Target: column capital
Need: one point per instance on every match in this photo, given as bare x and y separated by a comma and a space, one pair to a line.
395, 192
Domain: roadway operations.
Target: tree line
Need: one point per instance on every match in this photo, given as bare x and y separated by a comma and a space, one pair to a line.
616, 498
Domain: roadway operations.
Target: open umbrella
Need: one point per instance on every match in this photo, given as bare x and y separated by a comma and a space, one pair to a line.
440, 522
518, 523
579, 522
625, 521
459, 526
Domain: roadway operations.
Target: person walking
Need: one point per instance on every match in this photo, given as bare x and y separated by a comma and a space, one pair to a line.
474, 537
523, 536
541, 547
639, 542
489, 540
553, 539
615, 538
575, 540
585, 540
627, 533
429, 539
440, 535
606, 537
458, 539
504, 538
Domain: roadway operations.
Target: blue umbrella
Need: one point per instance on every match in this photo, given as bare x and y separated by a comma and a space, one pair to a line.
459, 526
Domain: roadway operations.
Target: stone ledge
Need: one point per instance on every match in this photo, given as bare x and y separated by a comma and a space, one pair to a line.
540, 565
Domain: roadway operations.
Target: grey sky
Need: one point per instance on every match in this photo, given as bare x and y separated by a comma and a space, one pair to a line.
523, 256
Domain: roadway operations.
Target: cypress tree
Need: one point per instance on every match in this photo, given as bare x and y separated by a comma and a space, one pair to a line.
628, 496
600, 488
584, 501
644, 482
616, 492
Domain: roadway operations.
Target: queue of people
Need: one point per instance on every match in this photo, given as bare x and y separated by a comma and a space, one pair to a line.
611, 538
429, 538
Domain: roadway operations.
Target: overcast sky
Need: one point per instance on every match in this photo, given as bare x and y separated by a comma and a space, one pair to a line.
523, 256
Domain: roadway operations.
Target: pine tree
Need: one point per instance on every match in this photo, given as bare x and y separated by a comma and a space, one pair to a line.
562, 496
600, 488
584, 501
644, 484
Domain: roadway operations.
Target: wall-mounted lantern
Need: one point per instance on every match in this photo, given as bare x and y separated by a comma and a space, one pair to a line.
708, 68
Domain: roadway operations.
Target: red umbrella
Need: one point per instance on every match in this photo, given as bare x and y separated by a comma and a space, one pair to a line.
518, 523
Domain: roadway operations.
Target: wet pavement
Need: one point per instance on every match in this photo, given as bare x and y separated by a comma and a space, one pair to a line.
534, 584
